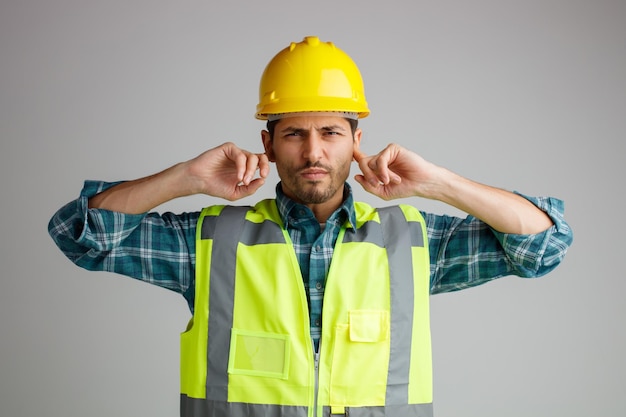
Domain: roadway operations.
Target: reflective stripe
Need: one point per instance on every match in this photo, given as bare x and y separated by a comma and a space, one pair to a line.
221, 298
251, 233
261, 233
406, 410
397, 241
415, 232
207, 230
270, 232
229, 228
393, 234
193, 407
371, 232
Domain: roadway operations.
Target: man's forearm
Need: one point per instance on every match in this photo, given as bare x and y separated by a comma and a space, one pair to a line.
144, 194
504, 211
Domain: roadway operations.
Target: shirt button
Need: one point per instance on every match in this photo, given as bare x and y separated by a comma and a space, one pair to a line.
318, 248
318, 285
317, 323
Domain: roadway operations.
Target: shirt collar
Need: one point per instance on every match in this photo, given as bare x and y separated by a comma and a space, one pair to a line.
346, 212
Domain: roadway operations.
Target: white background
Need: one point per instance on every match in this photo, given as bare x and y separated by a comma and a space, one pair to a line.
525, 95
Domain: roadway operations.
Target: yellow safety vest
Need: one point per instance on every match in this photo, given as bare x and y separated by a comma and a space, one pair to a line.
248, 351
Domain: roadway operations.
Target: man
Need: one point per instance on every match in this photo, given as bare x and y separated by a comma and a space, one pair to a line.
256, 278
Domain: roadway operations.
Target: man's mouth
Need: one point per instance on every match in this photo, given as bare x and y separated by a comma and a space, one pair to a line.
313, 173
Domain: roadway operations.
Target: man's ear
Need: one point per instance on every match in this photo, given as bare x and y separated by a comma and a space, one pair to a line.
267, 145
356, 143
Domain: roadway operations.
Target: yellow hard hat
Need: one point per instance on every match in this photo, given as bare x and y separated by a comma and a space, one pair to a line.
311, 76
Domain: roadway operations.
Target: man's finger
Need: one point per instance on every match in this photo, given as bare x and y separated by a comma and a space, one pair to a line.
264, 165
358, 155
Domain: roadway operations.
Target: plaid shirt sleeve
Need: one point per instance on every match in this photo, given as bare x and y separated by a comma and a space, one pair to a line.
155, 248
466, 252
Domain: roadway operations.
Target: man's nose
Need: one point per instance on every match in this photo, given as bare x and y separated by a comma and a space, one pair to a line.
313, 147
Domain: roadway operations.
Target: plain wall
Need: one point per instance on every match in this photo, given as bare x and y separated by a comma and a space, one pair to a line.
525, 95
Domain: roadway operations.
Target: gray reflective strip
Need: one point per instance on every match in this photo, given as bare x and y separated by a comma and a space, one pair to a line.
227, 229
207, 230
270, 232
372, 232
398, 244
194, 407
406, 410
252, 233
369, 232
261, 233
417, 236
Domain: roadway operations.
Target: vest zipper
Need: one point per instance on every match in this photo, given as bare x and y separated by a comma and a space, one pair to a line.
316, 359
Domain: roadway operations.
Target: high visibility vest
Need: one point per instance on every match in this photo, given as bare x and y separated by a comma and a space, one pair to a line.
248, 351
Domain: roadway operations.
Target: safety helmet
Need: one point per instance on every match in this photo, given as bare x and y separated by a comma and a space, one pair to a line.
311, 76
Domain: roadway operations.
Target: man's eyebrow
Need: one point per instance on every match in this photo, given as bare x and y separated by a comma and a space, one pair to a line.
329, 128
332, 128
291, 129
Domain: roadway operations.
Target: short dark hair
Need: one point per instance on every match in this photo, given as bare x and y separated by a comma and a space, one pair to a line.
271, 126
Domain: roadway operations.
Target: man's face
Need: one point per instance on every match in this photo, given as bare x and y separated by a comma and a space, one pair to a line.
312, 156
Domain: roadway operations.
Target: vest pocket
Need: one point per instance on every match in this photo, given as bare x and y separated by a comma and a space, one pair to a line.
360, 359
368, 326
259, 354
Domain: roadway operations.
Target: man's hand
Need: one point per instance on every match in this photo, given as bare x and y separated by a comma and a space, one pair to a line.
395, 172
227, 172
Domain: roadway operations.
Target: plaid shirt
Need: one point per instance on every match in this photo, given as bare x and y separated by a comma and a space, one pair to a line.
160, 248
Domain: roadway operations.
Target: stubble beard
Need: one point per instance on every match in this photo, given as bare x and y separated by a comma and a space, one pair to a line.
315, 192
